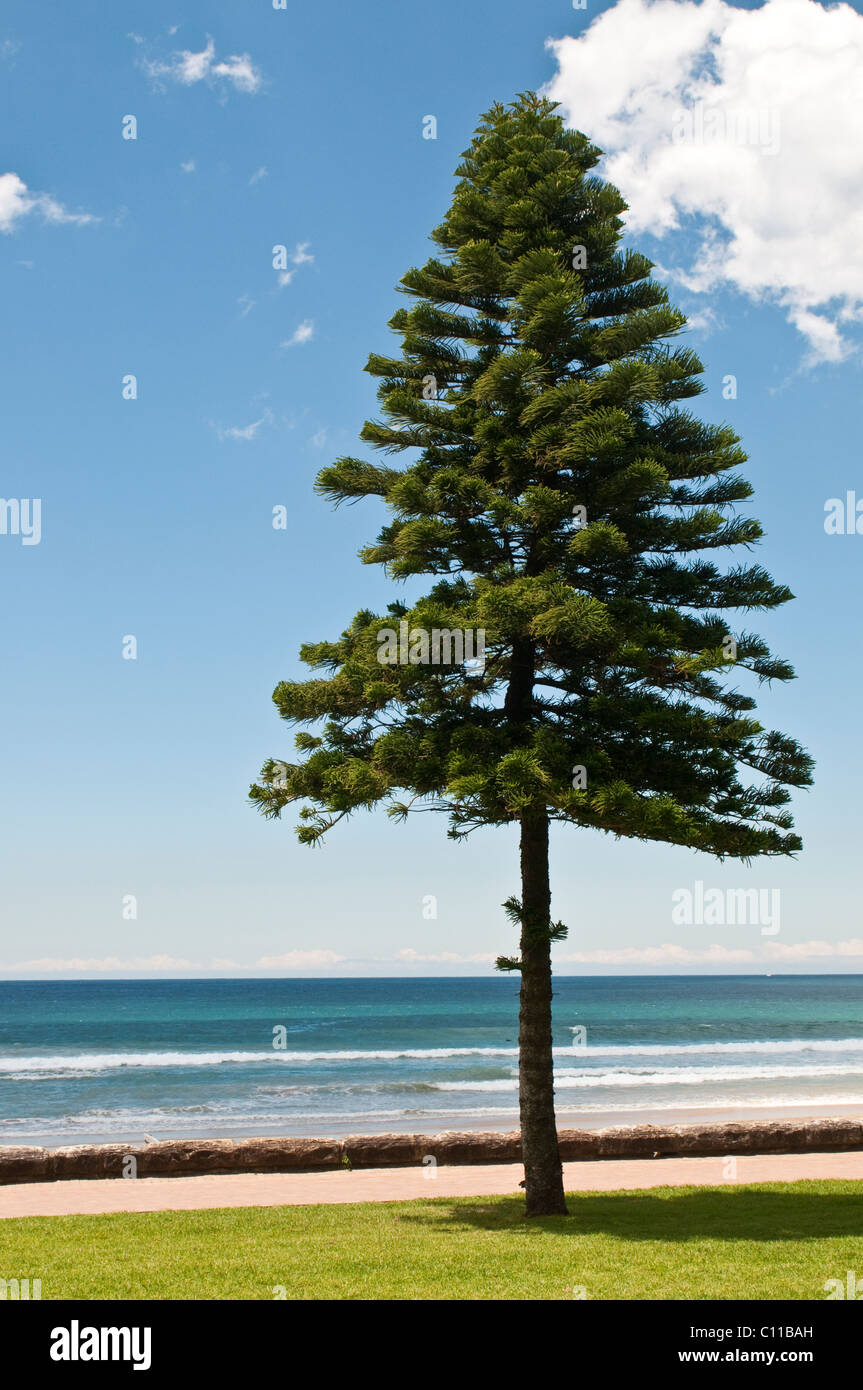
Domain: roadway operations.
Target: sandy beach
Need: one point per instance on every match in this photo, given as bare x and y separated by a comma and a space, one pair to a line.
420, 1124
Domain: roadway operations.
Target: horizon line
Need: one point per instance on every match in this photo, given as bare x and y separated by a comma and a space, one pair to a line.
108, 978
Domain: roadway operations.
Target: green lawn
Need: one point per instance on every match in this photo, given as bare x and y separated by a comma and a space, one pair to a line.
776, 1240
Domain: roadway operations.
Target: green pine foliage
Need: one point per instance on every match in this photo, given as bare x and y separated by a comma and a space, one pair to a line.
564, 499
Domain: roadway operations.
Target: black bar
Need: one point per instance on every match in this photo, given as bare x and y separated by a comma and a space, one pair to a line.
250, 1339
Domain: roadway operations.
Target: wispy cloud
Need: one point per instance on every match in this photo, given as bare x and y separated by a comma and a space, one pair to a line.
299, 256
769, 954
52, 964
17, 201
244, 432
411, 957
258, 175
666, 954
187, 68
814, 950
188, 166
96, 965
704, 320
669, 953
302, 334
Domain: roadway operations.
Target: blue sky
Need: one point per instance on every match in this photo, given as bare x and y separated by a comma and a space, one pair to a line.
304, 128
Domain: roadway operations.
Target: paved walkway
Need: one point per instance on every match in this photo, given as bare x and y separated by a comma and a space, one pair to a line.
401, 1184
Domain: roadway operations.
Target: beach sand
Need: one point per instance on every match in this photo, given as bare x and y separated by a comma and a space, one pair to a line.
425, 1124
404, 1184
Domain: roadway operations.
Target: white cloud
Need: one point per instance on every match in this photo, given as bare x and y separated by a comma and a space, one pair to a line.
815, 950
299, 256
320, 438
298, 960
18, 201
702, 320
411, 957
246, 304
748, 120
667, 954
292, 960
103, 963
188, 166
258, 175
302, 334
768, 954
187, 68
245, 432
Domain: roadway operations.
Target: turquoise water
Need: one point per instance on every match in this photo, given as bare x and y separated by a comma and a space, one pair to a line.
117, 1059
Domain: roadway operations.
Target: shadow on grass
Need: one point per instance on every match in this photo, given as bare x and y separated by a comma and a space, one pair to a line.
681, 1214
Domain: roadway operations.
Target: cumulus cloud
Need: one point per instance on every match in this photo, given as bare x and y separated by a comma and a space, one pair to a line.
300, 335
299, 960
187, 68
17, 201
748, 121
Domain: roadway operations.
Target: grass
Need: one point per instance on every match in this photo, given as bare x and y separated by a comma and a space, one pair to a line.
771, 1240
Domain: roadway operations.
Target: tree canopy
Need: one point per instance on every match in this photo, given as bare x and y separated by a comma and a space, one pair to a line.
567, 503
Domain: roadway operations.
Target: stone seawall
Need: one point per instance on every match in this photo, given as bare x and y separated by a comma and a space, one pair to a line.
181, 1157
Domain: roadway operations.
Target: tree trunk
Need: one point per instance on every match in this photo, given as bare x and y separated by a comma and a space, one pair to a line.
542, 1167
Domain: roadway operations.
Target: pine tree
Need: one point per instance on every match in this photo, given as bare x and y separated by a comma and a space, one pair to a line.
560, 495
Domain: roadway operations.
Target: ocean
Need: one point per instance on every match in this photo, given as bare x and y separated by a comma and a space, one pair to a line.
83, 1061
